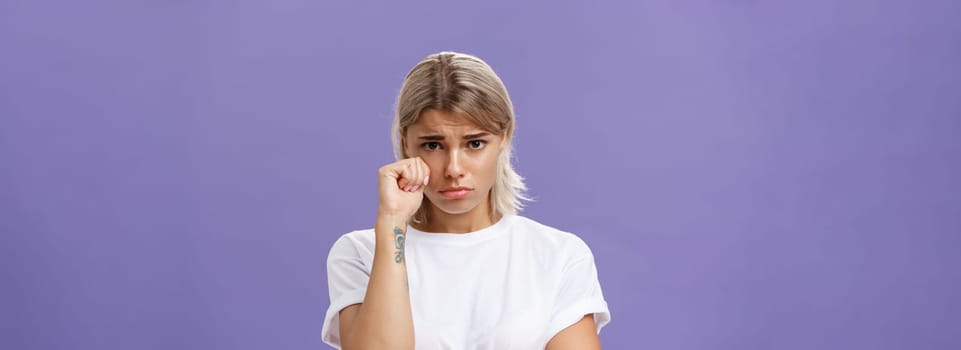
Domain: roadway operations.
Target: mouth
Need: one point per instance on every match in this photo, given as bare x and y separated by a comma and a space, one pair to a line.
456, 192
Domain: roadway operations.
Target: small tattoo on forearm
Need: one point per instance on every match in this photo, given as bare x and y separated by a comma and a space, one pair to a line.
399, 244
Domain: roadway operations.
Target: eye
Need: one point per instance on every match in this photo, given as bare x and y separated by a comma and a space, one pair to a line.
430, 146
476, 144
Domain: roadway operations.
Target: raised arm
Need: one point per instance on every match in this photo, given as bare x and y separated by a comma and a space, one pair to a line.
383, 320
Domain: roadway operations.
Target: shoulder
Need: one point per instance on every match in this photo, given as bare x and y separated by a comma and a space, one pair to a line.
553, 240
355, 243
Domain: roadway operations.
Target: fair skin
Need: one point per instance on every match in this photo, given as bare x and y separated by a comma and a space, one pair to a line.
452, 163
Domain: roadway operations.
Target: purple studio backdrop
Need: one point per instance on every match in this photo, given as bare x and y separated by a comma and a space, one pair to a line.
749, 174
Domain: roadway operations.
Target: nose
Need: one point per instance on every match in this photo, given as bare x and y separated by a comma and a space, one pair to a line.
454, 169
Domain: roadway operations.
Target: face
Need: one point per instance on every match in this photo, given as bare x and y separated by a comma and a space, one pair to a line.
462, 158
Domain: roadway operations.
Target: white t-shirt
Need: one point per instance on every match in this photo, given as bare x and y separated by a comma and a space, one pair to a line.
512, 285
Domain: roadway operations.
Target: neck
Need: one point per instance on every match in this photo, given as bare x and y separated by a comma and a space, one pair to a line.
473, 220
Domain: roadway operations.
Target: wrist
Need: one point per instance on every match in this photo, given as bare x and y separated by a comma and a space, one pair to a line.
391, 216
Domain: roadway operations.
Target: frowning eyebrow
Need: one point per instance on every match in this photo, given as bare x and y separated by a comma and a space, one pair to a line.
466, 137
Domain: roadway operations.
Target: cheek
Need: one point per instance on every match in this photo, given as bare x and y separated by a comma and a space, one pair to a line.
435, 164
490, 167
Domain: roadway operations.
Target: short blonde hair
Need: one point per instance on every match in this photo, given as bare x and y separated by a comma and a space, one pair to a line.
463, 84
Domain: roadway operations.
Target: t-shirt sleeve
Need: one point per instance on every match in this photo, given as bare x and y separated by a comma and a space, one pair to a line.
347, 279
579, 294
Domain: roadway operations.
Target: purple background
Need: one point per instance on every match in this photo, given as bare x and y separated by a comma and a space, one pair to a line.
749, 174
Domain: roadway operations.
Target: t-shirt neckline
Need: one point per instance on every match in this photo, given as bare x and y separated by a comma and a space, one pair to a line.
489, 232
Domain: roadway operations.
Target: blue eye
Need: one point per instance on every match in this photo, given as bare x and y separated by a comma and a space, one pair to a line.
476, 144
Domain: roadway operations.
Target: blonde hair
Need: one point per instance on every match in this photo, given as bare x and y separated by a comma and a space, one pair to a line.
463, 84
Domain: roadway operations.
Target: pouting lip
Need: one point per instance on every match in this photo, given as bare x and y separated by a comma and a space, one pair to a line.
456, 189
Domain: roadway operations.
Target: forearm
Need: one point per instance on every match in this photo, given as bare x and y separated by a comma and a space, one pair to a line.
384, 319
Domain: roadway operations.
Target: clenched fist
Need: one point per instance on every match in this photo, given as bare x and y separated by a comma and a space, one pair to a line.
401, 186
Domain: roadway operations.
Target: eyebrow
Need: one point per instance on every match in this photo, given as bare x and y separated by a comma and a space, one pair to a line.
466, 137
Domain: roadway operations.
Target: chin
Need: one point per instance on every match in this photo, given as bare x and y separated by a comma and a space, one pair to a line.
455, 208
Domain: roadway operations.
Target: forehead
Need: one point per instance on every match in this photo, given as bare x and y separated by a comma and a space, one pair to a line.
437, 121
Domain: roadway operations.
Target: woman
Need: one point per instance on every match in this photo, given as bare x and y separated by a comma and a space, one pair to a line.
449, 264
